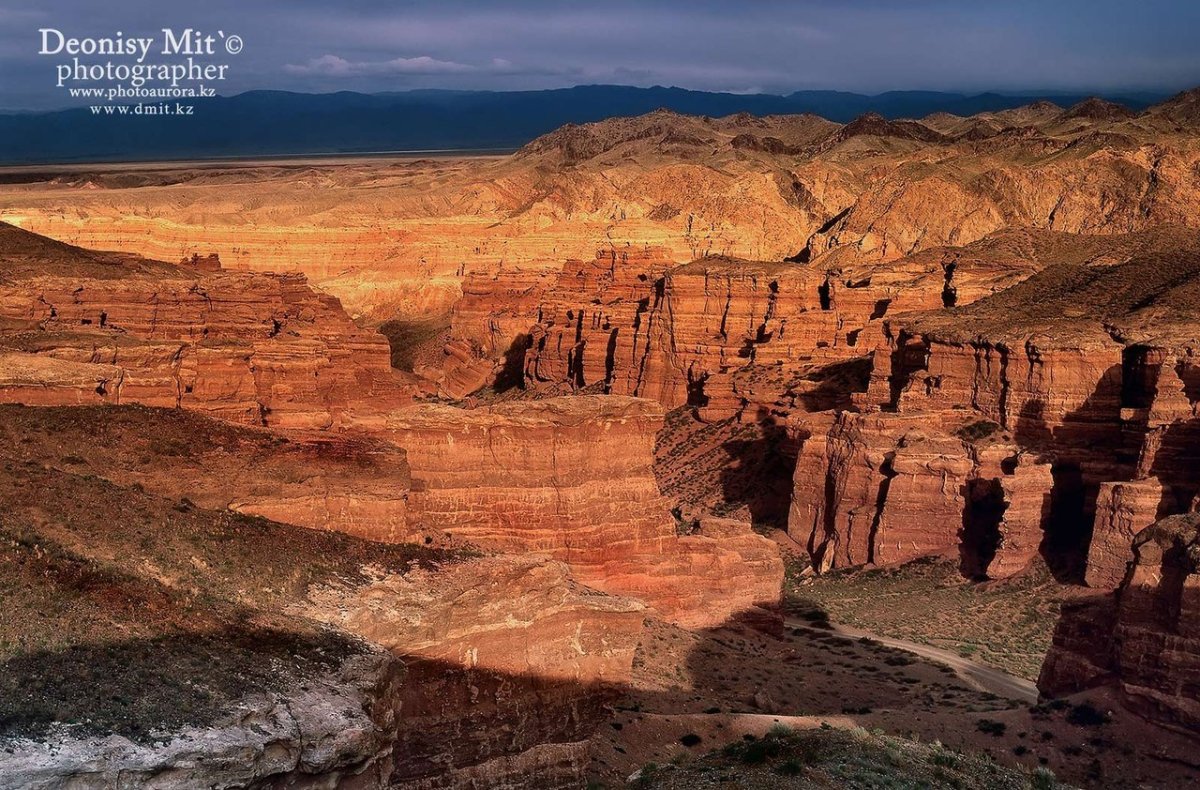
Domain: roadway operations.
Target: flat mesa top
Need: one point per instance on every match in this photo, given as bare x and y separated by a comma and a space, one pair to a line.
299, 160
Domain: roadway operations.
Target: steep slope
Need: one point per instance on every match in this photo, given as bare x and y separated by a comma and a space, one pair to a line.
1073, 387
146, 638
1144, 639
257, 349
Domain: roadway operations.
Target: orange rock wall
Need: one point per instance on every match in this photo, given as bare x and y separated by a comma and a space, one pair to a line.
1145, 638
572, 478
257, 349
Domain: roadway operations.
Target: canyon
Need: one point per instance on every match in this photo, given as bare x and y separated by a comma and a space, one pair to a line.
495, 448
396, 237
296, 416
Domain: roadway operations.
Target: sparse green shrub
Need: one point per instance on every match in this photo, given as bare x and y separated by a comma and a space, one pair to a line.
1087, 715
991, 727
759, 751
1043, 779
944, 757
789, 768
974, 431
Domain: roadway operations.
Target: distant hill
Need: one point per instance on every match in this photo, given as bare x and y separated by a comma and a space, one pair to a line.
260, 123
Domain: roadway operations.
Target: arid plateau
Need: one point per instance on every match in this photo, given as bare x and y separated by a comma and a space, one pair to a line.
668, 451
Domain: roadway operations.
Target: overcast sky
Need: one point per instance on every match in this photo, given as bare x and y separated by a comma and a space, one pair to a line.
777, 47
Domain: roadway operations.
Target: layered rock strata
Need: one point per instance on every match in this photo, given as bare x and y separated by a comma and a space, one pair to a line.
742, 338
483, 475
1123, 509
263, 653
1144, 639
572, 478
1079, 375
256, 349
884, 488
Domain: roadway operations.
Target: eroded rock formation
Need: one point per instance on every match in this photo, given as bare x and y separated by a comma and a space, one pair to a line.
1144, 639
756, 340
240, 640
1056, 415
256, 349
572, 478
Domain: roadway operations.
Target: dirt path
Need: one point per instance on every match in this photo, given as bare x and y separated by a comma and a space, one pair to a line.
979, 675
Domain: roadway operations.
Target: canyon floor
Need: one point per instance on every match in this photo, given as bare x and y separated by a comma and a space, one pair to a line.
667, 451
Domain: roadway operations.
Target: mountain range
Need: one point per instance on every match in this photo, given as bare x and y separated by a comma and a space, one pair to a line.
264, 123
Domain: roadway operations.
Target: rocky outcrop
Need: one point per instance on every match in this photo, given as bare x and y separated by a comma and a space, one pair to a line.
596, 325
509, 665
488, 330
341, 482
730, 336
886, 488
1010, 504
1122, 511
1145, 637
997, 411
256, 349
572, 478
321, 733
25, 378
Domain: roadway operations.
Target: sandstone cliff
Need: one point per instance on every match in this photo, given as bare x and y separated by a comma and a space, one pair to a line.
1042, 375
733, 336
1145, 638
150, 639
256, 349
572, 478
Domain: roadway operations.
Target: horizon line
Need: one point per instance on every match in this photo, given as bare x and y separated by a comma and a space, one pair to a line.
1138, 94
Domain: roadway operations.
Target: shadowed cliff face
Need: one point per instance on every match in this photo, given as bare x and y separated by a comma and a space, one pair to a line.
1045, 419
232, 649
1141, 639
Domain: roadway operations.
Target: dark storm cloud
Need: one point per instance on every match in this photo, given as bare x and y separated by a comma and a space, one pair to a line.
859, 45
